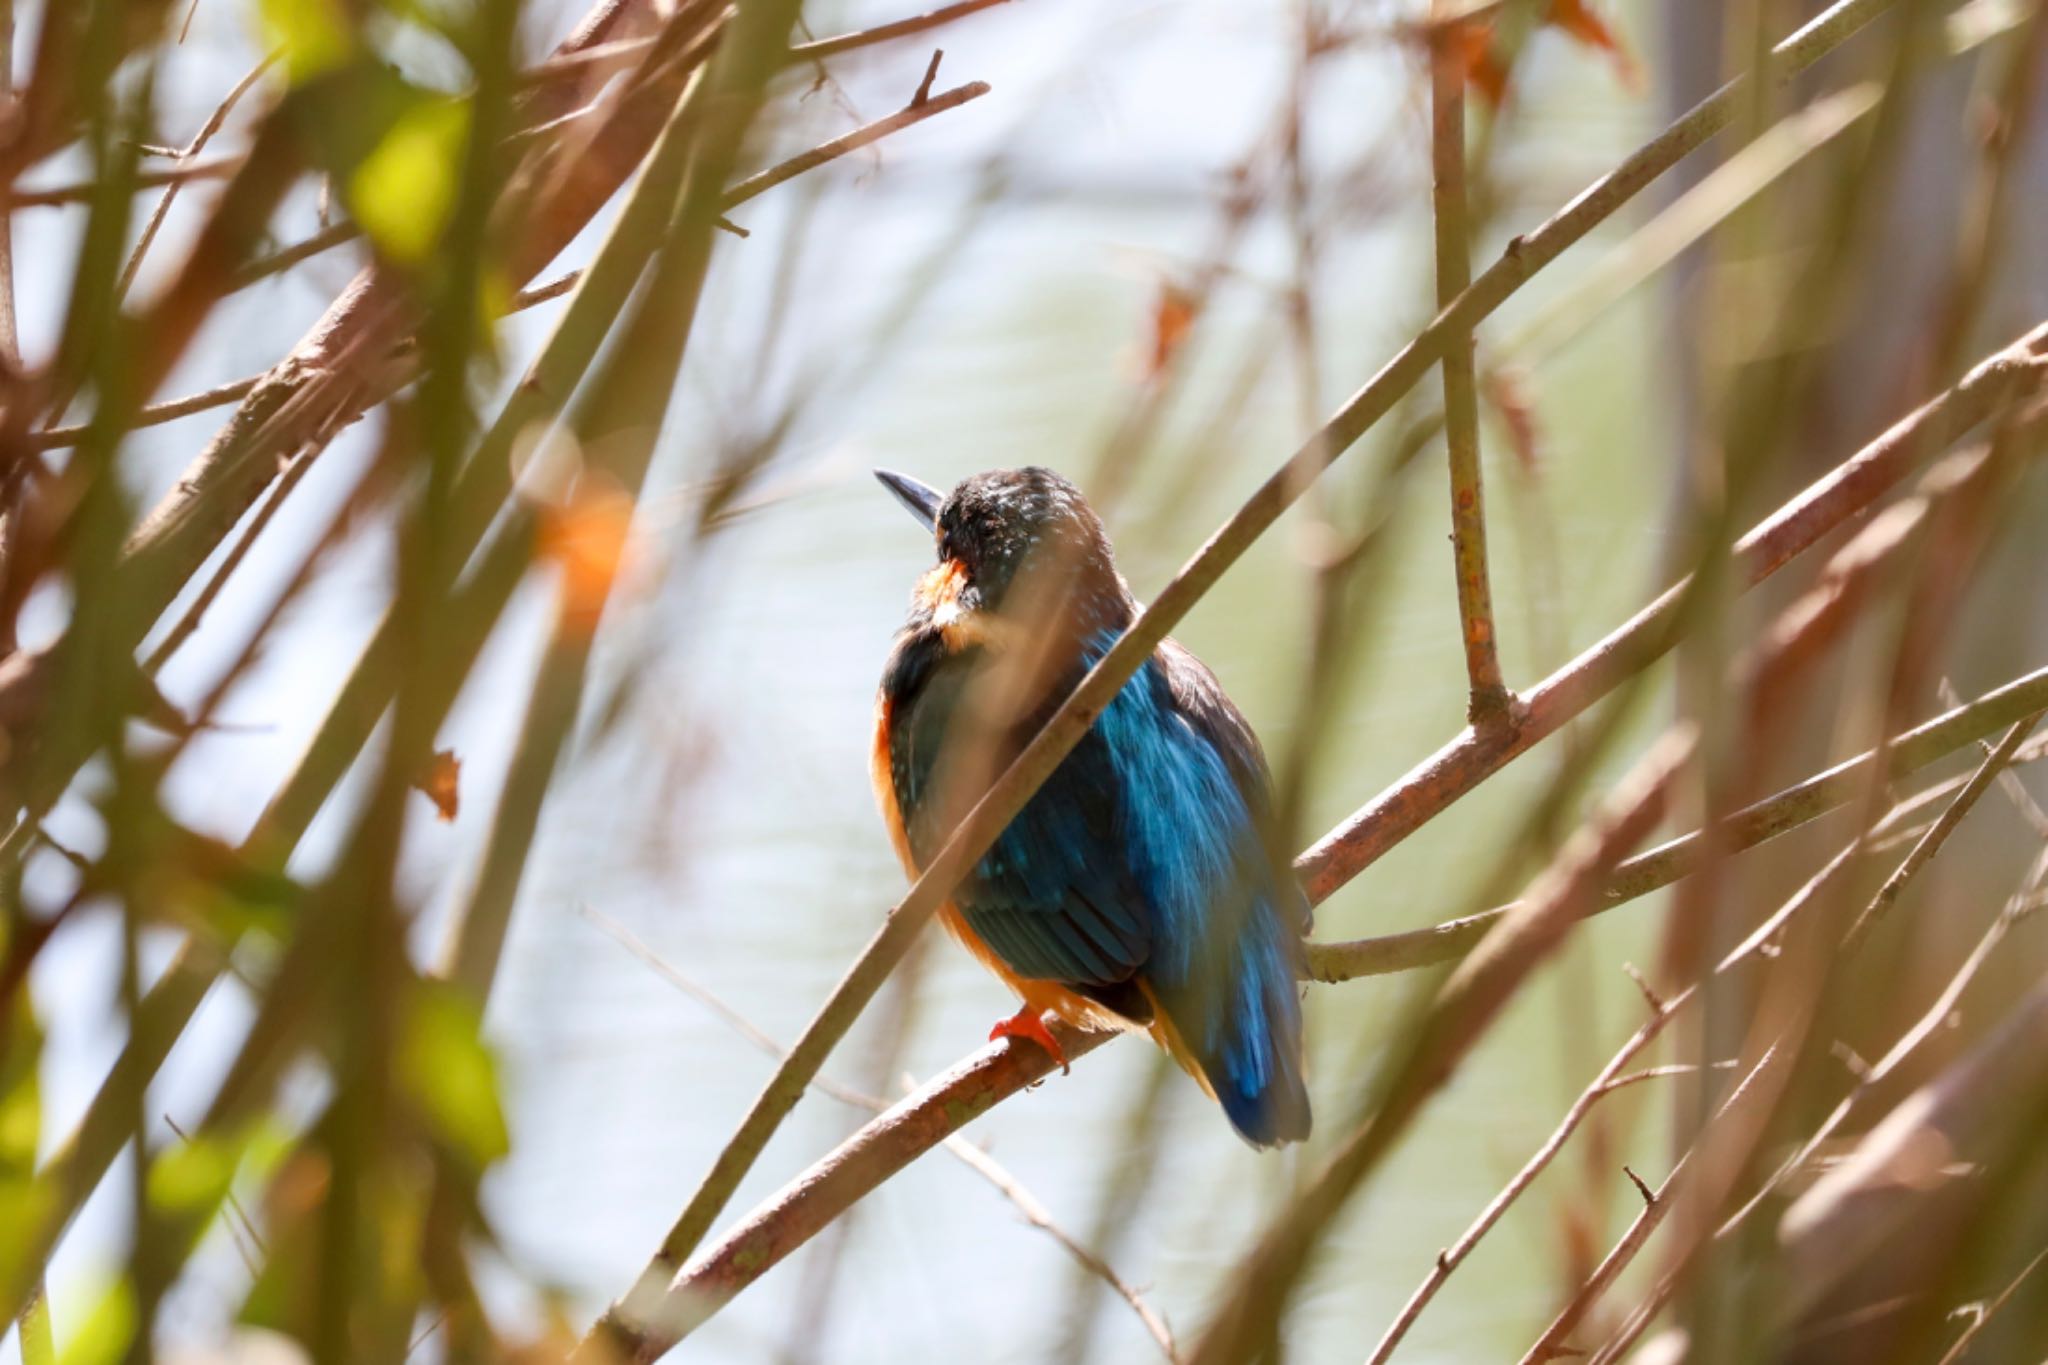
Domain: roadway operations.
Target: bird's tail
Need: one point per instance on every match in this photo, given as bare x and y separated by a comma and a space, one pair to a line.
1237, 1030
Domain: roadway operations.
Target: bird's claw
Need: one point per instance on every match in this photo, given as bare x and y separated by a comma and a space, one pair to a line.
1029, 1023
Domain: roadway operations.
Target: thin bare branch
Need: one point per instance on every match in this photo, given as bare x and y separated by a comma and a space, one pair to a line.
1450, 1258
214, 123
1489, 701
1982, 1313
882, 33
1996, 762
917, 111
1553, 1343
82, 192
1754, 825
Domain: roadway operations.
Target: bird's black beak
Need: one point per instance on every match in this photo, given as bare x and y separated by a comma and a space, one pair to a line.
922, 499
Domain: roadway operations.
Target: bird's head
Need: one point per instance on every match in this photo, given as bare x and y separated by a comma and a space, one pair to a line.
1008, 527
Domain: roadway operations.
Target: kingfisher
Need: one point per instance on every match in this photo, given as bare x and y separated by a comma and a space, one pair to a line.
1139, 888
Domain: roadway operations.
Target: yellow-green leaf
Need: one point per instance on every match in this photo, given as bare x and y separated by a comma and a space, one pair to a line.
452, 1077
314, 34
190, 1178
404, 190
105, 1335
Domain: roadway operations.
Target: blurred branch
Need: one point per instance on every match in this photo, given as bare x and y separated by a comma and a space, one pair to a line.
1995, 762
1753, 825
1035, 1214
2005, 377
183, 155
1937, 1015
917, 111
1552, 1343
882, 33
1862, 1200
85, 191
1450, 1258
1525, 255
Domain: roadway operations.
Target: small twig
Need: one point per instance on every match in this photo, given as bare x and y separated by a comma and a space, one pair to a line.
1984, 1311
915, 112
2008, 780
1035, 1213
284, 258
901, 28
739, 1023
1656, 1073
1649, 992
931, 73
1451, 1257
214, 123
248, 1241
1656, 1203
1937, 834
155, 415
208, 595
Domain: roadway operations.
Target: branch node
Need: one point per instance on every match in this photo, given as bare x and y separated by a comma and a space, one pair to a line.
1649, 1195
924, 87
1650, 996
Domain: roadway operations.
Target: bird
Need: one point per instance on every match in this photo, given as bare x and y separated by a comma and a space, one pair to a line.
1139, 887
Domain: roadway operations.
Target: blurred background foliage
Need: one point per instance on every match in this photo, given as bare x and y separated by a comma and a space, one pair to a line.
426, 995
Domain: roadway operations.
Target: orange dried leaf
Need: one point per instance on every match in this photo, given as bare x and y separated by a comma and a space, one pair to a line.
1470, 43
1173, 317
588, 537
441, 783
1576, 19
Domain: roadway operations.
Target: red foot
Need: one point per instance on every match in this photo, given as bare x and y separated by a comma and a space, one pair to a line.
1028, 1023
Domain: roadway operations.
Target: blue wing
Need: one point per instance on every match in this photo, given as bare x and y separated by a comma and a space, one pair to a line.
1051, 897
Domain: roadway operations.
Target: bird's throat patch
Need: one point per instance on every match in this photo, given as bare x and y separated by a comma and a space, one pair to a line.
961, 626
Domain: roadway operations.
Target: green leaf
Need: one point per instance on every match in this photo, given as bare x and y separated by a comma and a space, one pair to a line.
21, 1107
315, 34
404, 190
451, 1076
104, 1338
189, 1178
